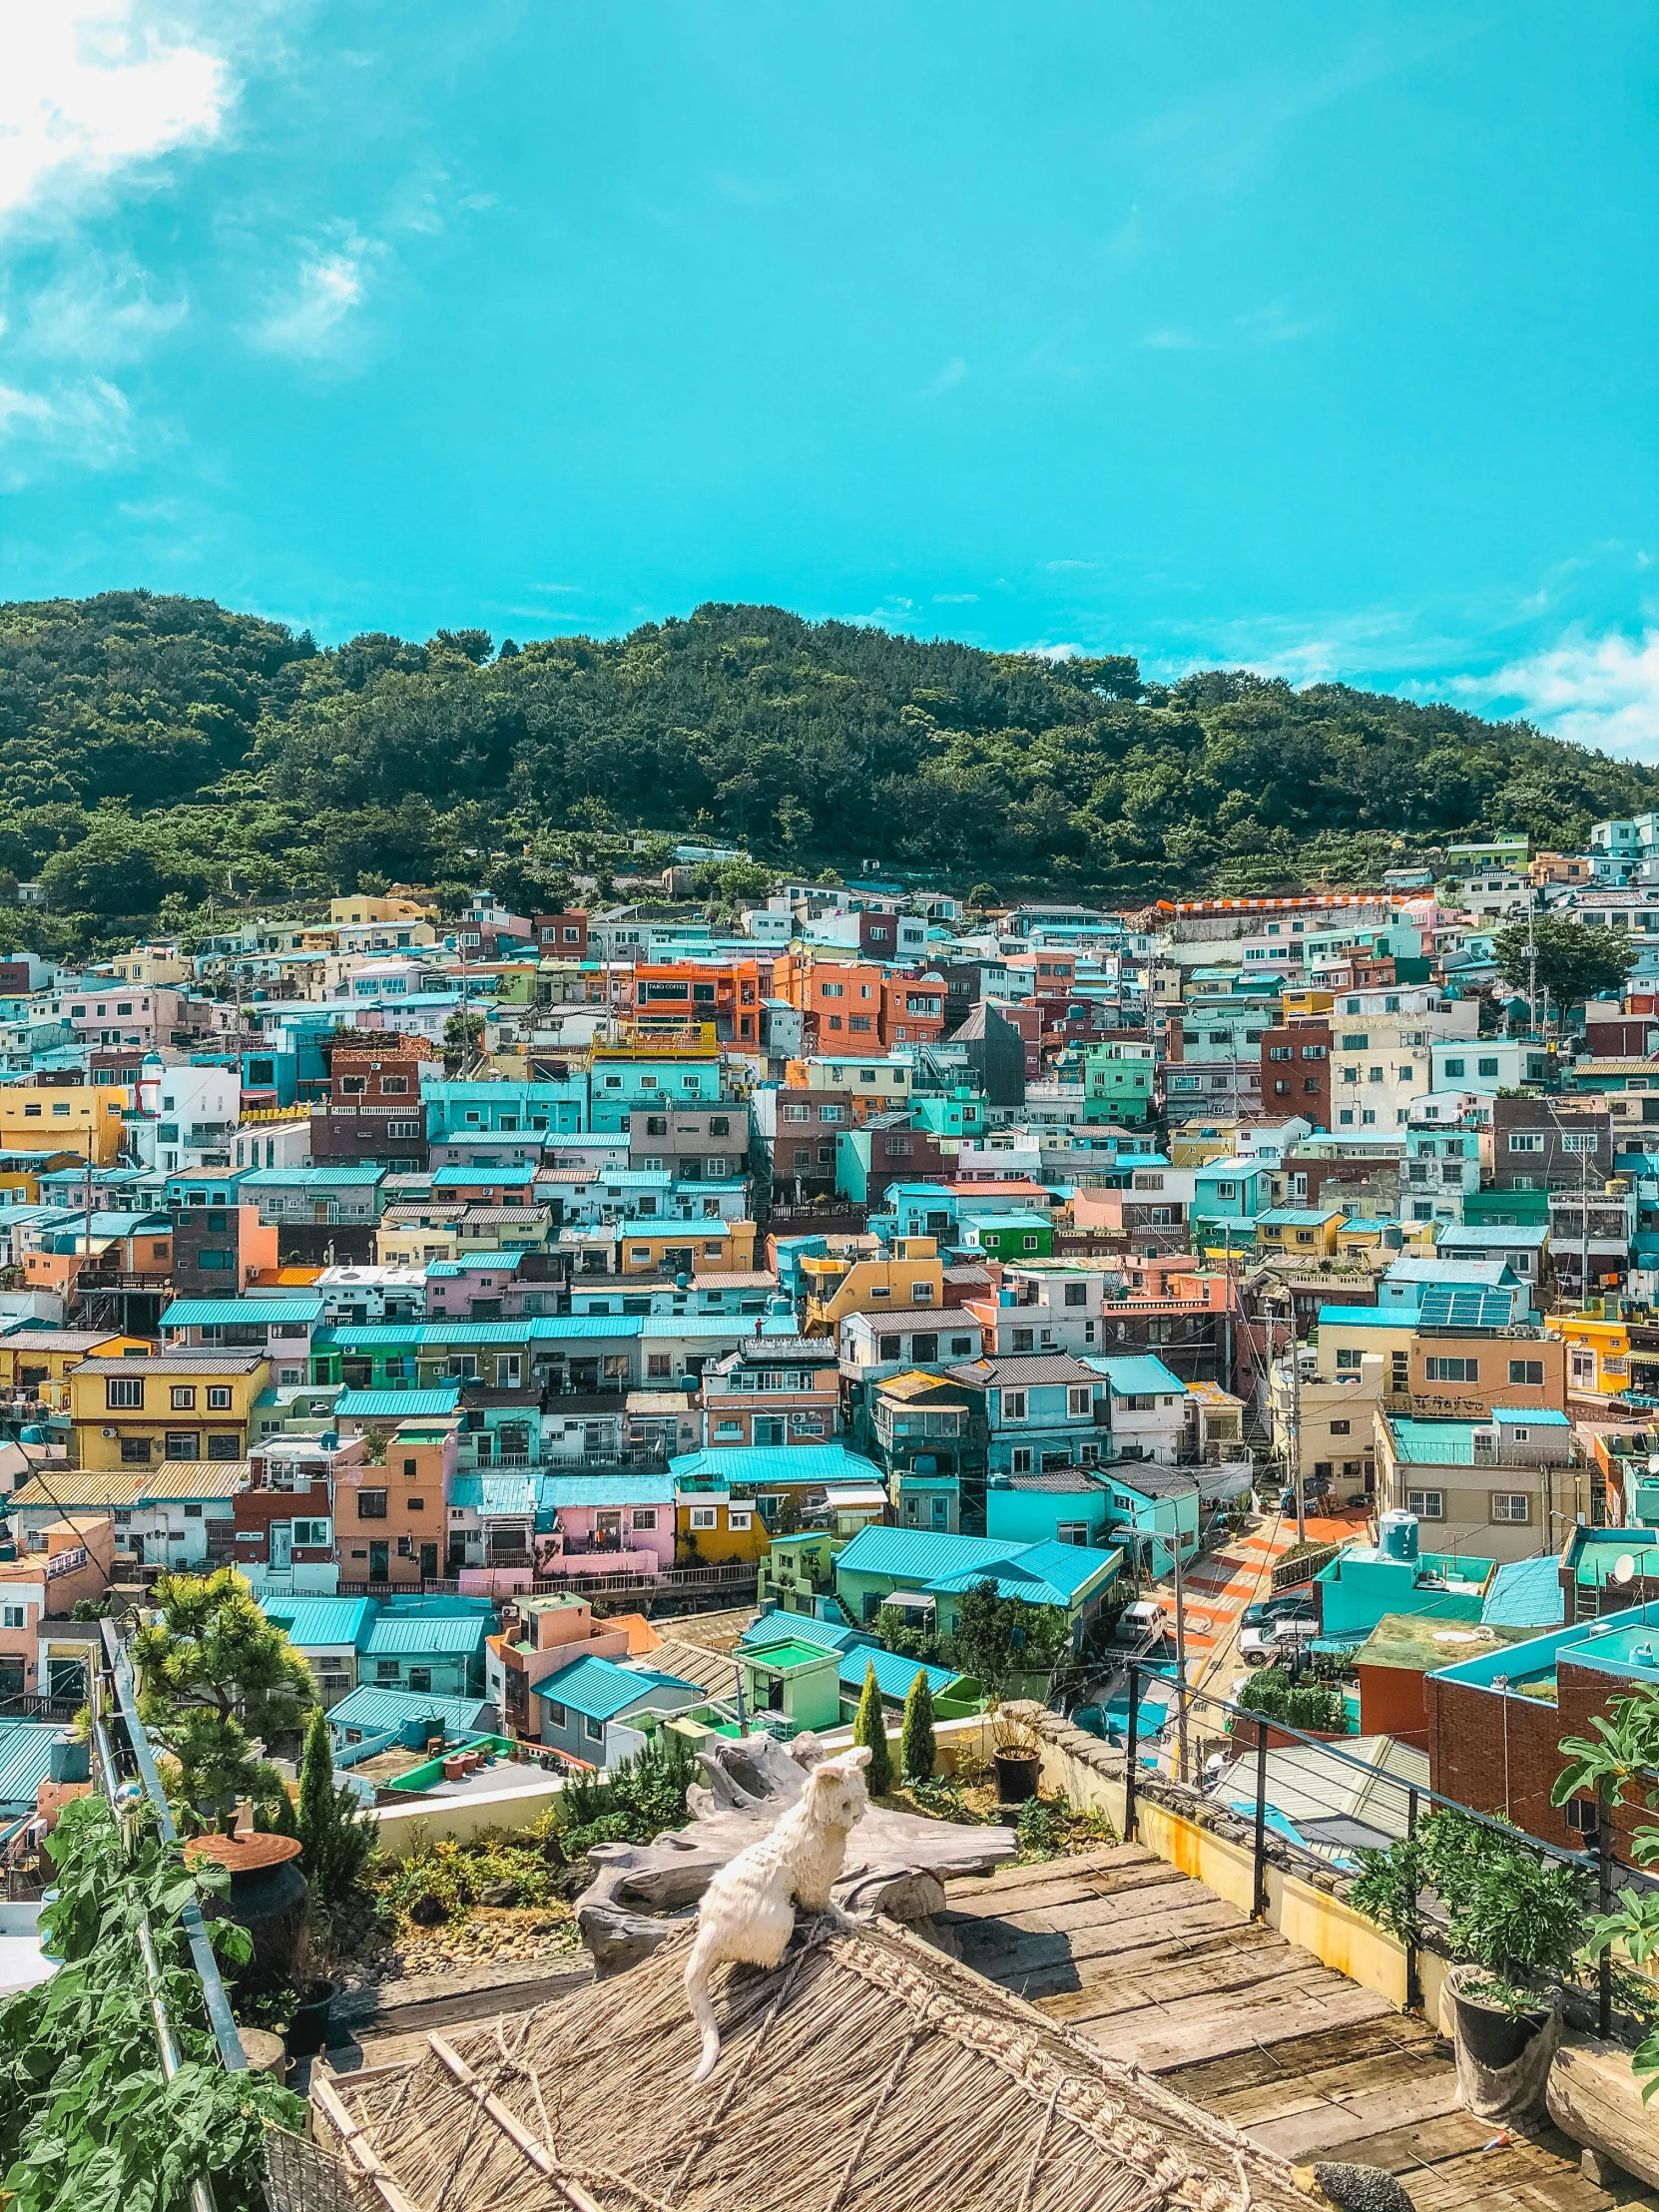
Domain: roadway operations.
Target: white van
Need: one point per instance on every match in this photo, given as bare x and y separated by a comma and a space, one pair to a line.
1145, 1617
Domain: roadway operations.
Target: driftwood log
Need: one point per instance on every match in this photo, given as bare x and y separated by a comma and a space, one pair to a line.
897, 1862
1596, 2099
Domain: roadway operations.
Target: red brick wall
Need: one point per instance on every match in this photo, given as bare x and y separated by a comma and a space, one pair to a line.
1478, 1737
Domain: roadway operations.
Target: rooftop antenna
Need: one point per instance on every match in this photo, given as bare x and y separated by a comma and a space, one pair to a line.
1623, 1570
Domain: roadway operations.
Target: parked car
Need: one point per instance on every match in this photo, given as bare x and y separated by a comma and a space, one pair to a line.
1292, 1605
1144, 1618
1276, 1640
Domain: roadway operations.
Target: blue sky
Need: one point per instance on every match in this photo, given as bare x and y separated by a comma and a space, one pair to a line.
1318, 339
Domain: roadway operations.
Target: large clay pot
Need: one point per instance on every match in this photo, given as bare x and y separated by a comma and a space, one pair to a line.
267, 1898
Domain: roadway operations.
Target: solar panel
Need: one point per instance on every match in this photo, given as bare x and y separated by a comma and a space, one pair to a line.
1463, 1306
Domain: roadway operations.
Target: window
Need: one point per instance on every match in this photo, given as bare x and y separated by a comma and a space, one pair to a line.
1021, 1460
645, 1516
557, 1717
1079, 1399
371, 1505
1360, 1043
225, 1447
135, 1451
1452, 1371
740, 1518
1077, 1294
1531, 1140
218, 1397
123, 1394
181, 1443
1348, 1355
1511, 1505
1527, 1371
1455, 1067
12, 1616
1427, 1504
592, 1730
1013, 1404
183, 1398
962, 1347
310, 1531
1340, 1427
705, 1516
387, 1670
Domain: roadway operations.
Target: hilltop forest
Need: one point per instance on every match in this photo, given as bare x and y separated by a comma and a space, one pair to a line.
159, 753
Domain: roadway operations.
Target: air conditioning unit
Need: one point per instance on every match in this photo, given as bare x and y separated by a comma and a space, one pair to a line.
111, 1432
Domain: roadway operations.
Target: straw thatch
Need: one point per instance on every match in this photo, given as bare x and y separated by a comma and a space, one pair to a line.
868, 2073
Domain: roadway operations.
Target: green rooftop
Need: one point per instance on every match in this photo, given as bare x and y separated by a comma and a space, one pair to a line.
778, 1658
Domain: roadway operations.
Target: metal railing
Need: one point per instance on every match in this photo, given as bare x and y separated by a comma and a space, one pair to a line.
1336, 1804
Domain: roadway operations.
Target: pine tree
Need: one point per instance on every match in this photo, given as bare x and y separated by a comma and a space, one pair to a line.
870, 1728
915, 1742
335, 1839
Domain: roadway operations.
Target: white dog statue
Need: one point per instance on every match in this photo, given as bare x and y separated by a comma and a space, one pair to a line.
746, 1915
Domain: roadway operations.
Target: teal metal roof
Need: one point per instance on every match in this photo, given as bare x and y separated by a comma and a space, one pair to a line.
395, 1634
311, 1622
599, 1689
1434, 1443
1368, 1317
25, 1761
213, 1313
1526, 1593
508, 1492
373, 1710
760, 1465
644, 1489
918, 1557
1137, 1375
441, 1398
894, 1672
312, 1179
449, 1179
780, 1627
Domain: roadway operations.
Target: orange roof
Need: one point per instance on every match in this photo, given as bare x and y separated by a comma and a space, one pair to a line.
642, 1637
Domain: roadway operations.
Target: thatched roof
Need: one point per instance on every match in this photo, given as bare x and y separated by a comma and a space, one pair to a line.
869, 2073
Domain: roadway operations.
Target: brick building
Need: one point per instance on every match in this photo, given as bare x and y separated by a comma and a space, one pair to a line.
373, 1111
1296, 1071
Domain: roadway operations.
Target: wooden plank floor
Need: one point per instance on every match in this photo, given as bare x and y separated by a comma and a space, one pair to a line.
1156, 1968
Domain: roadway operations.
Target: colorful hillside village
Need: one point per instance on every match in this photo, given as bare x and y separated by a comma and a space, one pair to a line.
580, 1327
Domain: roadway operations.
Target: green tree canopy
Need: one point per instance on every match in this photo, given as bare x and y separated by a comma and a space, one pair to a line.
1573, 962
215, 1677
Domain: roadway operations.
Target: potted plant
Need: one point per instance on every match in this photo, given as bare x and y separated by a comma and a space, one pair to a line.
1016, 1755
1515, 1923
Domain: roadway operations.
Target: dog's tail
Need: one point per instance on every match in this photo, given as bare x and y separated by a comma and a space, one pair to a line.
698, 1968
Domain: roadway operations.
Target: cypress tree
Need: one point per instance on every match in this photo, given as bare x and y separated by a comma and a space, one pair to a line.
316, 1803
870, 1728
915, 1742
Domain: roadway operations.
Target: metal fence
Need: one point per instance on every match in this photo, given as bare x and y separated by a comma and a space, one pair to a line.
1310, 1804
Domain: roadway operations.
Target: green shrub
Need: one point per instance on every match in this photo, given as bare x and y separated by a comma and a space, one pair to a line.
871, 1729
1317, 1708
916, 1749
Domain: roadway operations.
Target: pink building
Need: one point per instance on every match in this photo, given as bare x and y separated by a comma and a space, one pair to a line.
540, 1636
66, 1560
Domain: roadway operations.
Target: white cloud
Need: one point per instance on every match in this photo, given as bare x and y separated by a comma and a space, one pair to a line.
1052, 652
90, 87
1170, 341
88, 421
1601, 691
952, 374
331, 282
99, 309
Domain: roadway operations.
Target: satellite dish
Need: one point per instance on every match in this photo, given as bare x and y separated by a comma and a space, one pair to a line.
1623, 1569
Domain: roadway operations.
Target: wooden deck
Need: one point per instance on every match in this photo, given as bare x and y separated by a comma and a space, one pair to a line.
1156, 1968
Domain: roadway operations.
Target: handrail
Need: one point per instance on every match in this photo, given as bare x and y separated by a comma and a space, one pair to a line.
218, 2006
201, 2189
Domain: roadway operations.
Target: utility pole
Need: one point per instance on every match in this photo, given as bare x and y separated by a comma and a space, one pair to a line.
1179, 1653
1294, 1446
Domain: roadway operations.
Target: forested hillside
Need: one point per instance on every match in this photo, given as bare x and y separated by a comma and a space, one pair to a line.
164, 750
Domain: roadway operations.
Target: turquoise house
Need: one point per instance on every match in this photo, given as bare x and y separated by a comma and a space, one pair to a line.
1067, 1506
880, 1561
1364, 1582
1229, 1189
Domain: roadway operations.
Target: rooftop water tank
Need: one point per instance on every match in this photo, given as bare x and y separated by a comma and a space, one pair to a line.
1398, 1532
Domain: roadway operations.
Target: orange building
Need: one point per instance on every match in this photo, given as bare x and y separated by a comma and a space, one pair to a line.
390, 1515
841, 998
912, 1009
671, 995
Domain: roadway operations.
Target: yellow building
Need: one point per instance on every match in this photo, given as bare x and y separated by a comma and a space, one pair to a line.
37, 1361
359, 908
1597, 1338
687, 1246
150, 967
1304, 1232
409, 1240
135, 1412
1194, 1144
1307, 1002
51, 1117
910, 1274
712, 1528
